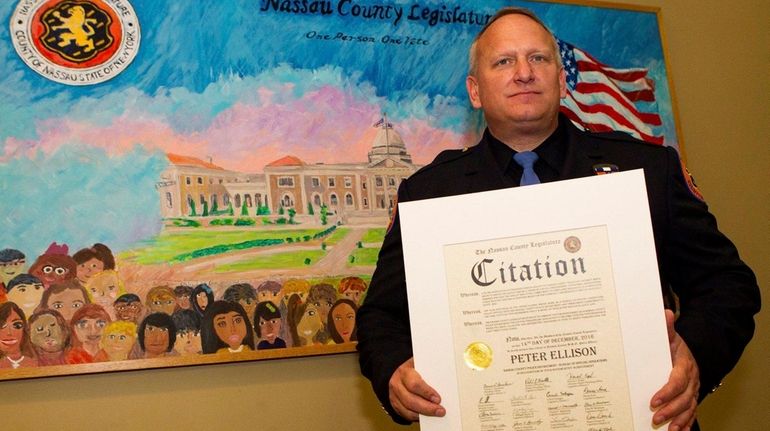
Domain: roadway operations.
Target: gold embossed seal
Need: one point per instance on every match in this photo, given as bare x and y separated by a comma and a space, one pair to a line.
478, 356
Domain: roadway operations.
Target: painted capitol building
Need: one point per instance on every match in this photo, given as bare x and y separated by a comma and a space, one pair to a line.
353, 192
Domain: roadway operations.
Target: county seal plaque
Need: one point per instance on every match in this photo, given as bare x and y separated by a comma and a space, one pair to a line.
478, 356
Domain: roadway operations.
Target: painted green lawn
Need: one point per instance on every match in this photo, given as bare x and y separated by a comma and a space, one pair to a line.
364, 257
374, 235
336, 236
291, 259
166, 246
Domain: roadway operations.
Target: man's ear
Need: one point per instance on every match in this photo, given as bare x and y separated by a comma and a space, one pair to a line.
563, 83
473, 91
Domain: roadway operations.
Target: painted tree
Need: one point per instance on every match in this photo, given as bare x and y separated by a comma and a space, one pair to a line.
191, 203
205, 211
292, 213
244, 209
310, 208
324, 212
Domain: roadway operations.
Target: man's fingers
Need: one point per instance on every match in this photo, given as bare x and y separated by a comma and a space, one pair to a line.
403, 411
416, 385
411, 396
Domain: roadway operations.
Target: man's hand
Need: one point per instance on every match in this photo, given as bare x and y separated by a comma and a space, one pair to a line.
676, 400
410, 396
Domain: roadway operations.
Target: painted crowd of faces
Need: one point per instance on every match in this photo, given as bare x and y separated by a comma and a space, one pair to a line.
74, 309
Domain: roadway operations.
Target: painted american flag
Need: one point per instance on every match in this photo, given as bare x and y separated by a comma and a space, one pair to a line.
602, 98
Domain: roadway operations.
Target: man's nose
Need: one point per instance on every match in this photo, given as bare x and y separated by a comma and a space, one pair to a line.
523, 70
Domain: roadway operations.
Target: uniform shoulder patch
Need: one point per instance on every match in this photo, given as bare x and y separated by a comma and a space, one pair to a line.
691, 182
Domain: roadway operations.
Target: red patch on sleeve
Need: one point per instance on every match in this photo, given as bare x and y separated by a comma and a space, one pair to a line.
691, 182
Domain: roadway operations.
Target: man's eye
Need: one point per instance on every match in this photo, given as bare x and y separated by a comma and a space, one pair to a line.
503, 61
538, 58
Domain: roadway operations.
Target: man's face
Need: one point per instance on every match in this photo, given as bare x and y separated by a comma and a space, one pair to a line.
26, 296
518, 81
11, 269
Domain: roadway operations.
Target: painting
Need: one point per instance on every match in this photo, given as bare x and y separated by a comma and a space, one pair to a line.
198, 182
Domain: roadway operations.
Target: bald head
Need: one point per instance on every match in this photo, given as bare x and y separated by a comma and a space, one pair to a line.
473, 55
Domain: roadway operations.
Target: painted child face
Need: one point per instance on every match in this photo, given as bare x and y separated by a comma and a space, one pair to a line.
230, 327
183, 302
323, 305
188, 343
89, 330
11, 269
353, 295
46, 334
162, 303
67, 302
104, 289
266, 295
88, 268
287, 295
26, 296
310, 323
203, 300
270, 329
118, 345
344, 318
249, 305
155, 340
128, 311
11, 333
49, 271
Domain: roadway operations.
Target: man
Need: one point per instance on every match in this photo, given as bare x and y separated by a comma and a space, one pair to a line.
517, 79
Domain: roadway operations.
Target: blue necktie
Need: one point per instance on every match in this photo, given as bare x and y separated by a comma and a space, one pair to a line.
527, 159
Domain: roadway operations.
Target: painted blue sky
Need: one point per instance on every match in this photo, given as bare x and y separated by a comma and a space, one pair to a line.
226, 77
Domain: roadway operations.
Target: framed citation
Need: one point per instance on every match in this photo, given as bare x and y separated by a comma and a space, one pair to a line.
539, 307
